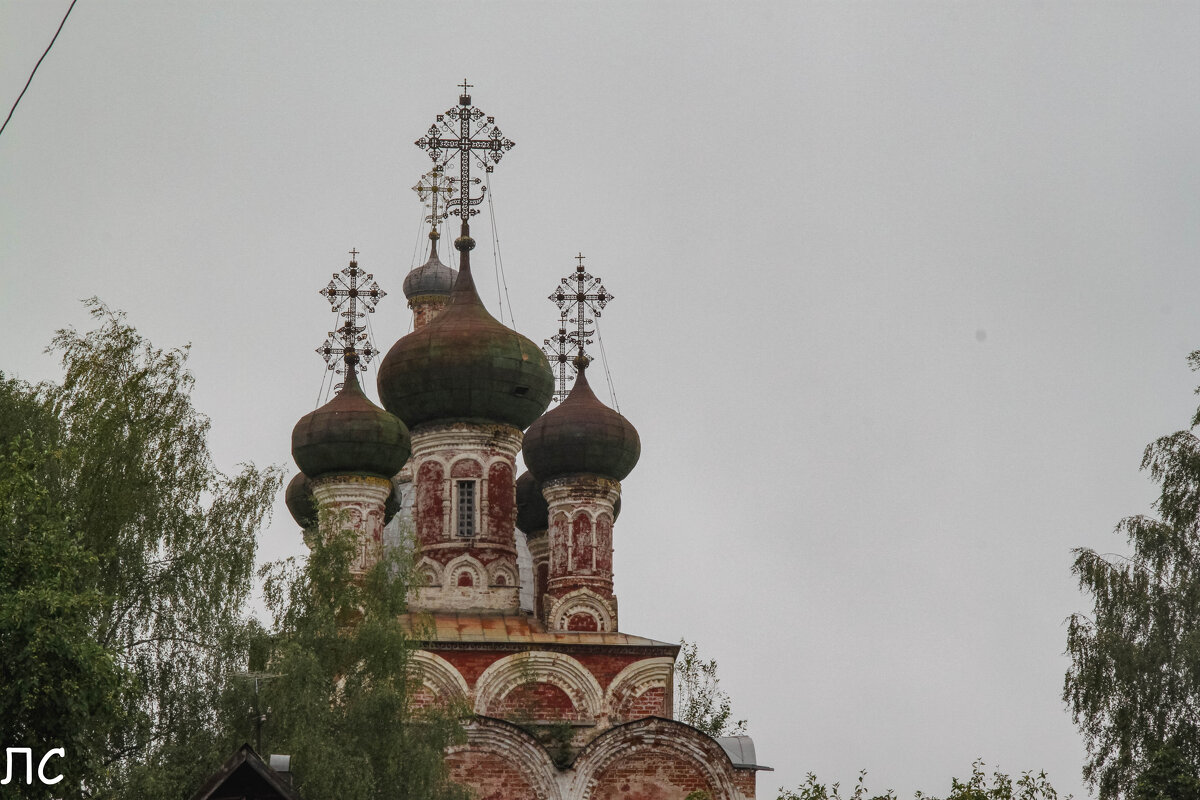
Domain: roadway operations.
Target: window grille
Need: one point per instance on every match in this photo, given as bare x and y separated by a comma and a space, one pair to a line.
466, 508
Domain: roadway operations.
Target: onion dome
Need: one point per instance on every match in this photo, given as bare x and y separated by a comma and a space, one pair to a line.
464, 366
582, 435
350, 435
431, 278
300, 501
533, 515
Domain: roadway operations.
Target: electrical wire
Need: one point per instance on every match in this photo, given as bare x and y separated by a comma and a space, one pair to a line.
38, 64
499, 261
612, 391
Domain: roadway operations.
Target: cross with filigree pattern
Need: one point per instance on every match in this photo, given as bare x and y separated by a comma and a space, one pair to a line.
558, 349
431, 189
580, 293
349, 345
477, 133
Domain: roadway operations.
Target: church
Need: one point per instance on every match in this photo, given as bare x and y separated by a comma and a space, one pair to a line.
515, 611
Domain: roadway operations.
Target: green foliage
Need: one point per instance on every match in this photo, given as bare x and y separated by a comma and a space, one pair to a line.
61, 688
1167, 776
699, 701
135, 553
340, 680
1134, 682
976, 787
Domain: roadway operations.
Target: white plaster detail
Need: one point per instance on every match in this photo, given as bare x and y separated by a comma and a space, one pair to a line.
557, 669
430, 571
355, 502
500, 568
514, 746
458, 566
656, 736
582, 601
636, 678
439, 675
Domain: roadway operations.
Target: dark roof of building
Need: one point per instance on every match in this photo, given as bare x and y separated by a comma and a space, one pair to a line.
245, 776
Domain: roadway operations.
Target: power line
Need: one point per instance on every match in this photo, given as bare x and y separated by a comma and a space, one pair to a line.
38, 64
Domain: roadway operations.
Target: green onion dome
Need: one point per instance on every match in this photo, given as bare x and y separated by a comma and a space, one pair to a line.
582, 435
533, 515
350, 435
300, 501
464, 366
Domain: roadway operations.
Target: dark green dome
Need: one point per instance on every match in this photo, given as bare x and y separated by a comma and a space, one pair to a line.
582, 435
464, 366
300, 500
533, 515
350, 435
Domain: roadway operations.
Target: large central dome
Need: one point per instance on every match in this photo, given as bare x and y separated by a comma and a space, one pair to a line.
465, 366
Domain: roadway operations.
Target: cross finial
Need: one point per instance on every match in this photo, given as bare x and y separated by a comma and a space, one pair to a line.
434, 189
477, 138
354, 253
466, 85
348, 349
580, 294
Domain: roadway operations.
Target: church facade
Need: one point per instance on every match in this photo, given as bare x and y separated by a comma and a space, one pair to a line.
515, 611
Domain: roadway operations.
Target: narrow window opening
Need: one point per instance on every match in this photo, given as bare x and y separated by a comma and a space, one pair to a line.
466, 508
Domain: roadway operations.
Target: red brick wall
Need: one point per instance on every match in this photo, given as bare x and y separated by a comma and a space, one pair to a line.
502, 501
429, 503
744, 778
650, 703
492, 777
651, 776
536, 701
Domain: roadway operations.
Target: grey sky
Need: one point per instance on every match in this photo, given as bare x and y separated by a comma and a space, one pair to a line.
902, 292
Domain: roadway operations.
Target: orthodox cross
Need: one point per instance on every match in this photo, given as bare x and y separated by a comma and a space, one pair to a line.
433, 186
348, 347
558, 349
580, 294
476, 132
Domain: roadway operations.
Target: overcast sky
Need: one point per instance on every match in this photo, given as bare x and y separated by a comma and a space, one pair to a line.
902, 291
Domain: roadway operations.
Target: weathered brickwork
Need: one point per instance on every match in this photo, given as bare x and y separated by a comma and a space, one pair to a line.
355, 502
651, 776
536, 701
490, 775
578, 595
464, 516
425, 308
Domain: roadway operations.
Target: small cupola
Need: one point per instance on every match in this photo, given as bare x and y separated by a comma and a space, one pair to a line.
581, 436
350, 435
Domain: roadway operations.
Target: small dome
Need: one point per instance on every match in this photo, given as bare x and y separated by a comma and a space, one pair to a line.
431, 278
465, 366
350, 435
582, 435
300, 501
533, 515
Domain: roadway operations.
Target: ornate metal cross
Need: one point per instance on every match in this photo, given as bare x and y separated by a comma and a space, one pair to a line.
558, 349
348, 347
433, 186
580, 294
466, 145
